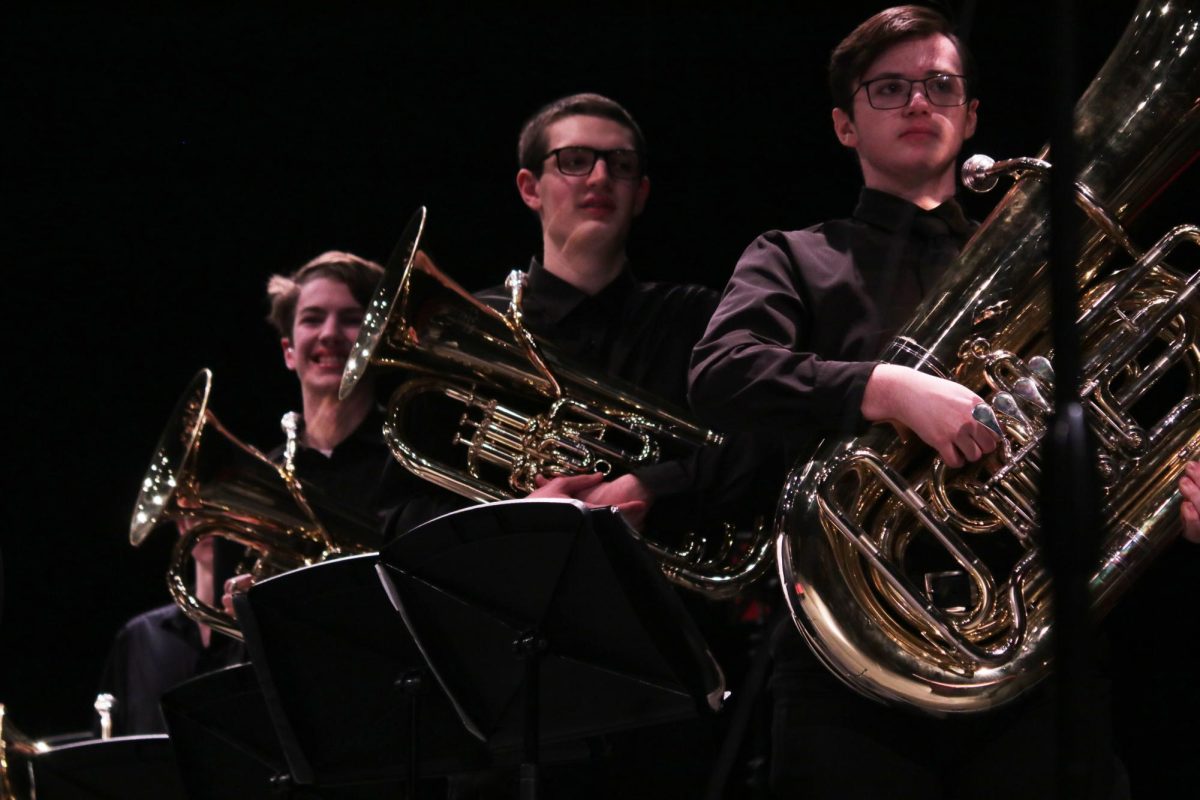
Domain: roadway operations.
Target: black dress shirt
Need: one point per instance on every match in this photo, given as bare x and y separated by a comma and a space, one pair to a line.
806, 314
153, 652
361, 476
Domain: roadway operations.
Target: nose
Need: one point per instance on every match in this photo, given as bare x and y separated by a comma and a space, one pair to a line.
917, 100
329, 328
599, 173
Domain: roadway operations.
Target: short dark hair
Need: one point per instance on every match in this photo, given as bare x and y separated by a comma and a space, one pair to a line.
532, 145
855, 54
360, 276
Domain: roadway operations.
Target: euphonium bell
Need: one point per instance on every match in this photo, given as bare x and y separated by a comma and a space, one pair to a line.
522, 409
212, 484
923, 585
15, 750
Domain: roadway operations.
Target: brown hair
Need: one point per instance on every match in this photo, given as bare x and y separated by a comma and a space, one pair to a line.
360, 276
855, 54
532, 144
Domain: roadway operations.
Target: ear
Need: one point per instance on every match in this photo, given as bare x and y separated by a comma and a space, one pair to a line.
528, 186
843, 127
969, 124
639, 199
289, 353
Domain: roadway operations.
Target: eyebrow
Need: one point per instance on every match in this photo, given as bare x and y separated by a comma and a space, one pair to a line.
322, 309
928, 74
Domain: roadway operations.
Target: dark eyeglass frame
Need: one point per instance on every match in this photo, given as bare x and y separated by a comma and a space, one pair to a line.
908, 94
596, 155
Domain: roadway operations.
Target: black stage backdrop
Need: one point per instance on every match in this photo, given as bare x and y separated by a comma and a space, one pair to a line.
160, 164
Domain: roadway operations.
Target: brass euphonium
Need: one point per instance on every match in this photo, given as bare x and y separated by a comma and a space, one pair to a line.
923, 585
523, 410
205, 478
15, 750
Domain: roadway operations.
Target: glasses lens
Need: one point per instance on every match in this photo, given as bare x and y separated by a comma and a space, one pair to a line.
888, 92
575, 160
946, 90
624, 164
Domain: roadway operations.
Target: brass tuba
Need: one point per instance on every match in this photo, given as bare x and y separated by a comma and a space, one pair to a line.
922, 585
203, 477
521, 410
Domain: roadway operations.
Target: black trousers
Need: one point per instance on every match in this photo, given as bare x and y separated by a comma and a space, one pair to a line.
829, 742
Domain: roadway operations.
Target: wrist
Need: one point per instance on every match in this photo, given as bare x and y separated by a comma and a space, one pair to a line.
880, 392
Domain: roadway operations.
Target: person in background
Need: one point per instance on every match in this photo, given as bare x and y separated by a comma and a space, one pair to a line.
582, 171
338, 451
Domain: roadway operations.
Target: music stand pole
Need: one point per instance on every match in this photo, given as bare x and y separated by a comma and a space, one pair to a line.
413, 684
530, 647
1070, 500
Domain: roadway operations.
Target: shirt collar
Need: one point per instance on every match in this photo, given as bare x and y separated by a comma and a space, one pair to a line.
553, 299
368, 431
175, 621
895, 214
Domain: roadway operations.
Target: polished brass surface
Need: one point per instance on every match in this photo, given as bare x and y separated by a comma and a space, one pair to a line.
523, 410
210, 483
923, 585
14, 744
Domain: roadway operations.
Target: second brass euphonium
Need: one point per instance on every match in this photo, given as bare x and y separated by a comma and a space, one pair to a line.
974, 631
213, 484
15, 750
525, 410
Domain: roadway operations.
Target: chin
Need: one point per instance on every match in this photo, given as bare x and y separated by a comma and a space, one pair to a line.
322, 384
593, 232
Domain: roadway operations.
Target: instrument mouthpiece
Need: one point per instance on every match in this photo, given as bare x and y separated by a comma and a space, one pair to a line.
977, 175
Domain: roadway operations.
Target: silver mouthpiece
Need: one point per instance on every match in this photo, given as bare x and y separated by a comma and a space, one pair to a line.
977, 175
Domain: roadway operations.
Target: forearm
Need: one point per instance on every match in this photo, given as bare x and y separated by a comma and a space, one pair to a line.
938, 411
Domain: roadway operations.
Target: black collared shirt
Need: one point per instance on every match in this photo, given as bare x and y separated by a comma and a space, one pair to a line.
640, 332
362, 477
806, 314
152, 653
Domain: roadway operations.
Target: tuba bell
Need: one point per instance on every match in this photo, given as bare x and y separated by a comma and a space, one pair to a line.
519, 410
922, 585
211, 483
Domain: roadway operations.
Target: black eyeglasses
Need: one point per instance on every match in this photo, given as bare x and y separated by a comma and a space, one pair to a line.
892, 92
622, 164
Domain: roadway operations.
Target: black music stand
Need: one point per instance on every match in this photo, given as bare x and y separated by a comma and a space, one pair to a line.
544, 621
122, 768
347, 689
225, 745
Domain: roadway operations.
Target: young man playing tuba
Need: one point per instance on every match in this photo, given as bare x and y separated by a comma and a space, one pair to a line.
794, 346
